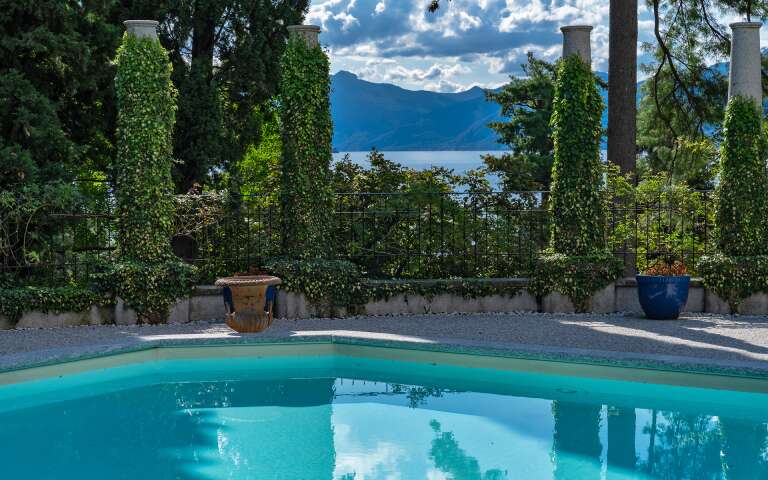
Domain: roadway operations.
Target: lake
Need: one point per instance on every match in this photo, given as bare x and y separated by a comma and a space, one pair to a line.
459, 161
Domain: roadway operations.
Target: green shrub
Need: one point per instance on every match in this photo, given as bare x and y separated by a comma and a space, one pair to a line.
14, 302
150, 288
577, 203
146, 100
306, 197
336, 282
734, 278
577, 277
742, 194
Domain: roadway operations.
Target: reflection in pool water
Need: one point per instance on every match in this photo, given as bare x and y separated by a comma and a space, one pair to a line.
255, 426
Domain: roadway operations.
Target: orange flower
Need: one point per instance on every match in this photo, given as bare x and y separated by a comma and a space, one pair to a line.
661, 268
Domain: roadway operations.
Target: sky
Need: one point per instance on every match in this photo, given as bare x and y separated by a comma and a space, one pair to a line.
467, 43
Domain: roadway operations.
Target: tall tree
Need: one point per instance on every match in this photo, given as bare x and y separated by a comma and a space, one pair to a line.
622, 85
527, 102
226, 64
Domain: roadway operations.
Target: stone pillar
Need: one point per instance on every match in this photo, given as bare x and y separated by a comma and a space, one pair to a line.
142, 28
576, 41
309, 32
744, 77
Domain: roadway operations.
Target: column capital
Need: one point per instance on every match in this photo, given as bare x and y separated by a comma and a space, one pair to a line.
744, 75
309, 32
142, 28
577, 41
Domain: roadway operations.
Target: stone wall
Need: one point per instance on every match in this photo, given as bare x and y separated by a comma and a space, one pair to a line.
206, 304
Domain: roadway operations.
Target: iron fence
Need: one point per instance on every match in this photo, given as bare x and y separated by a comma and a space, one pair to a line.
389, 235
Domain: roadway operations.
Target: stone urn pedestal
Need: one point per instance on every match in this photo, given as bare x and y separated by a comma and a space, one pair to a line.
249, 302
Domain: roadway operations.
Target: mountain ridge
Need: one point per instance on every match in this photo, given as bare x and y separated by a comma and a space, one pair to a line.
391, 118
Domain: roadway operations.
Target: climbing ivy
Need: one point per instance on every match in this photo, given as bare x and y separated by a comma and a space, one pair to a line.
577, 263
14, 302
146, 100
577, 277
149, 288
577, 202
337, 282
148, 278
734, 278
740, 268
306, 196
742, 194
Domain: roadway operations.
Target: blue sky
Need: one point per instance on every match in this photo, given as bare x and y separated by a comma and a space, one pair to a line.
469, 42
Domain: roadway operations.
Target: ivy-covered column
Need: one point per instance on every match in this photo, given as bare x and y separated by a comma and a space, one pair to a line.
577, 263
146, 100
740, 267
305, 115
148, 278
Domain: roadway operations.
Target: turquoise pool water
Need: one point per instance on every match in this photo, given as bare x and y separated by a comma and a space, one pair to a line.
345, 418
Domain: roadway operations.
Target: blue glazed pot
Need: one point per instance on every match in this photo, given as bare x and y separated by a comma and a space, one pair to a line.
662, 298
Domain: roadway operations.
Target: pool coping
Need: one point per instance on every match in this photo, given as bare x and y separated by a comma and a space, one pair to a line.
598, 358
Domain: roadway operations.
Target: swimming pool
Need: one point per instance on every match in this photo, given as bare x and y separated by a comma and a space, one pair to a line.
327, 412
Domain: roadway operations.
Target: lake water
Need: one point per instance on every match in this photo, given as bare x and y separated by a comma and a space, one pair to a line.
459, 161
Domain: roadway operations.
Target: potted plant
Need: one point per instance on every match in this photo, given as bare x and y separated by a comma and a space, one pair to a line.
663, 289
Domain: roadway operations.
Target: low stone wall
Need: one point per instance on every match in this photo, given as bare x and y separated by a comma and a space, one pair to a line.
206, 304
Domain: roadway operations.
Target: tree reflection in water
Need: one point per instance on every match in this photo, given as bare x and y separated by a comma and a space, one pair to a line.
744, 449
576, 446
452, 460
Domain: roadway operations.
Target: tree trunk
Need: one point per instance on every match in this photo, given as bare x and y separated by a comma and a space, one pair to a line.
622, 85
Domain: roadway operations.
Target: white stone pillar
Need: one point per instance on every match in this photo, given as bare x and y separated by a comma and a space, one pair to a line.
744, 77
142, 28
309, 32
576, 41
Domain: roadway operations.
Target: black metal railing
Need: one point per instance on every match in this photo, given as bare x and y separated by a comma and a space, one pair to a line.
389, 235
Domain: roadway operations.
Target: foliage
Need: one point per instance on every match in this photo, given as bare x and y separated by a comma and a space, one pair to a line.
577, 277
226, 63
740, 268
666, 268
306, 197
335, 282
577, 203
259, 169
742, 193
412, 224
55, 90
577, 264
527, 102
150, 288
146, 100
659, 219
734, 278
14, 302
671, 141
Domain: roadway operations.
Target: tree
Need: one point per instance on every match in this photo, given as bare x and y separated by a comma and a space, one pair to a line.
527, 102
226, 64
56, 116
622, 85
55, 89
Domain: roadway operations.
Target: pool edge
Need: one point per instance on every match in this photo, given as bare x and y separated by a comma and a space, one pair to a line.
600, 364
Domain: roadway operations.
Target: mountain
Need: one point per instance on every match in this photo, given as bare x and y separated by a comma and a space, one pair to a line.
388, 117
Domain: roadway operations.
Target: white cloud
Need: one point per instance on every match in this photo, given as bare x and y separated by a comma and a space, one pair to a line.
380, 7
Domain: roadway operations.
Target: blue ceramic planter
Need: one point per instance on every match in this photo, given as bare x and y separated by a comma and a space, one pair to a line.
662, 298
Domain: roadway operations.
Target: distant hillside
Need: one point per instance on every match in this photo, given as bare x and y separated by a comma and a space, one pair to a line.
388, 117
